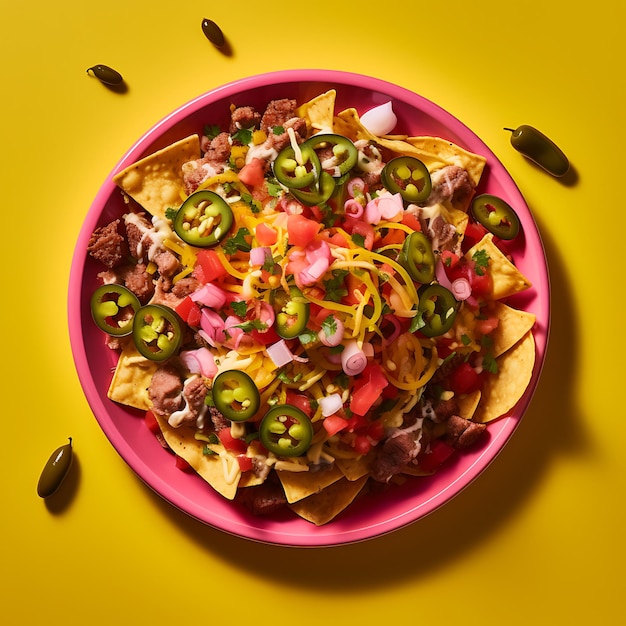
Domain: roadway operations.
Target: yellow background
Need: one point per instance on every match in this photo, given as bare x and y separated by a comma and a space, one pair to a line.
538, 539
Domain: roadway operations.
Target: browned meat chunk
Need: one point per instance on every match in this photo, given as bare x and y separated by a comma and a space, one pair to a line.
277, 113
278, 141
108, 246
263, 499
395, 453
244, 117
137, 279
185, 286
451, 184
165, 391
463, 433
218, 420
194, 393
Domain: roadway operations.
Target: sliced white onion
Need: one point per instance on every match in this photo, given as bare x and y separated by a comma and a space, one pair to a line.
330, 404
380, 120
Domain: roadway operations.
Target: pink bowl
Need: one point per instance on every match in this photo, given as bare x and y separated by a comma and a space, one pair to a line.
370, 516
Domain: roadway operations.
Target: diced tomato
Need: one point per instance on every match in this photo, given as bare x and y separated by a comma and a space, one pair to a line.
208, 267
151, 423
189, 311
440, 451
480, 282
252, 174
393, 236
232, 444
300, 401
484, 327
465, 379
301, 230
265, 337
334, 424
368, 389
359, 227
408, 219
182, 465
361, 444
449, 259
245, 462
473, 234
266, 235
376, 430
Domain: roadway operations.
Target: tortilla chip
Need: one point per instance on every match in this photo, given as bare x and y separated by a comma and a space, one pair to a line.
318, 112
434, 152
299, 485
131, 379
502, 391
513, 325
468, 403
210, 467
323, 507
353, 469
472, 163
156, 181
506, 278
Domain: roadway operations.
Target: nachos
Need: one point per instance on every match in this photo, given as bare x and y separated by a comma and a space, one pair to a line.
303, 309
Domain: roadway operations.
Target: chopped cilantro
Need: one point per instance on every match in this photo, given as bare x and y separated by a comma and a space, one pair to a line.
278, 130
481, 259
329, 325
170, 213
255, 205
465, 340
211, 131
273, 188
243, 136
417, 322
490, 364
239, 307
251, 325
308, 336
335, 287
207, 451
358, 239
238, 242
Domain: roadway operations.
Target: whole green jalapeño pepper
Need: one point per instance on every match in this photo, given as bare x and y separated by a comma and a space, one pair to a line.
157, 332
204, 219
285, 430
417, 258
496, 216
437, 308
409, 177
343, 151
113, 308
293, 314
235, 395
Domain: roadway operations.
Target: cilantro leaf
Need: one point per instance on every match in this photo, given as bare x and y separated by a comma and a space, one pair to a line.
243, 136
251, 325
239, 307
329, 326
211, 131
238, 242
481, 259
171, 213
335, 287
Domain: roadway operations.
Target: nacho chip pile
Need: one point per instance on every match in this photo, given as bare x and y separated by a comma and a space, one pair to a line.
314, 294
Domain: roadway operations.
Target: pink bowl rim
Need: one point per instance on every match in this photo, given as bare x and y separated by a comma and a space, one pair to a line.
305, 535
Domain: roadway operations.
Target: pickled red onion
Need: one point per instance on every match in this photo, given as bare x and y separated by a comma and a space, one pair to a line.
210, 295
353, 359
